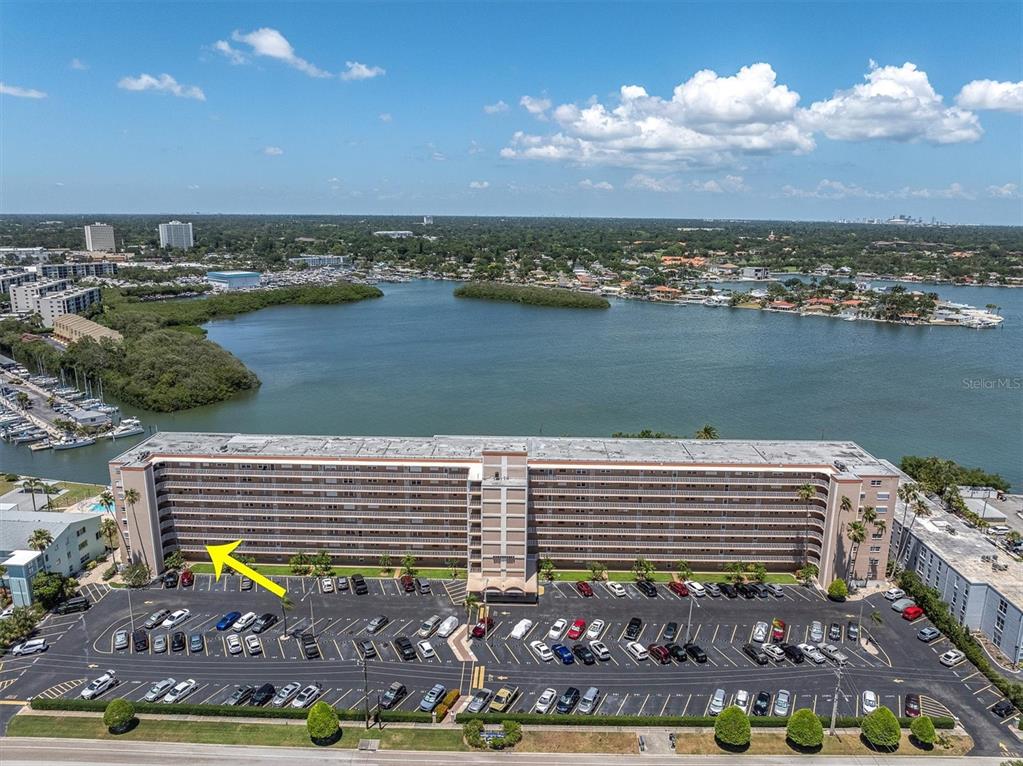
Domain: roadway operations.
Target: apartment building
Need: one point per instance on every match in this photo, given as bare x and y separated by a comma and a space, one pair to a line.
99, 236
12, 276
501, 504
982, 584
70, 328
176, 235
71, 301
24, 296
78, 270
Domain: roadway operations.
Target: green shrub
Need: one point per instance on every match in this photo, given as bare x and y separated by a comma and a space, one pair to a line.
923, 730
678, 721
512, 736
91, 565
732, 727
472, 731
881, 729
838, 590
804, 729
109, 572
119, 715
322, 722
534, 296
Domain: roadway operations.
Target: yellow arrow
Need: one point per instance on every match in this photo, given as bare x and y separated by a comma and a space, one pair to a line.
221, 554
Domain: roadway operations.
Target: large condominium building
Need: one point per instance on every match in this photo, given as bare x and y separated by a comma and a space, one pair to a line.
78, 270
176, 235
25, 296
13, 276
72, 301
99, 236
501, 504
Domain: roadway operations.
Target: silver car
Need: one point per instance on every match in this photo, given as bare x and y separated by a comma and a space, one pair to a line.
816, 632
285, 694
480, 699
160, 643
589, 701
121, 639
717, 702
160, 688
760, 632
782, 702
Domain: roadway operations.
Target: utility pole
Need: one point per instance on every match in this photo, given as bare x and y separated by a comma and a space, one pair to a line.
689, 620
834, 704
365, 688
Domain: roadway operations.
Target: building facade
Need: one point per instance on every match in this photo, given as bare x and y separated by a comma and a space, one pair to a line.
14, 276
78, 270
99, 236
176, 235
24, 297
70, 328
233, 280
72, 301
316, 261
499, 505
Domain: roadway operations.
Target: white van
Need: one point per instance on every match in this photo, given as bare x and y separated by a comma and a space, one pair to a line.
637, 650
430, 625
30, 647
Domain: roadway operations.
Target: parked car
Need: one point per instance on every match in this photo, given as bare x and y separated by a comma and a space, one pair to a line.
177, 641
778, 630
584, 588
170, 579
712, 589
155, 618
426, 650
545, 701
894, 594
99, 685
793, 652
502, 701
852, 631
432, 698
287, 693
479, 701
367, 649
742, 700
342, 583
647, 588
245, 583
868, 701
670, 632
76, 604
637, 650
240, 695
405, 649
1002, 708
228, 620
429, 626
696, 588
377, 624
408, 583
140, 640
557, 629
327, 584
394, 694
782, 702
309, 647
564, 654
951, 658
263, 694
180, 691
588, 703
677, 652
35, 645
522, 627
717, 702
307, 696
659, 654
816, 632
568, 700
422, 585
187, 578
600, 650
482, 628
447, 627
159, 642
253, 644
912, 706
633, 629
774, 651
912, 612
234, 644
762, 703
678, 588
901, 604
359, 586
244, 622
265, 621
833, 653
584, 653
159, 689
835, 632
775, 590
696, 652
728, 589
928, 634
576, 631
756, 654
746, 591
811, 651
542, 651
595, 629
196, 643
760, 632
616, 589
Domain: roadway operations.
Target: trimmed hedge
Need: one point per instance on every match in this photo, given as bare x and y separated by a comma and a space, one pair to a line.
758, 722
805, 729
923, 730
881, 728
322, 722
732, 727
118, 715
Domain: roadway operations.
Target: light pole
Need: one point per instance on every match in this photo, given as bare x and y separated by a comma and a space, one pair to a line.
689, 620
131, 612
486, 614
365, 687
834, 704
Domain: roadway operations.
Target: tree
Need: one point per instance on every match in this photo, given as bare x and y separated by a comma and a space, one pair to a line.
4, 589
132, 496
110, 533
49, 490
40, 539
286, 606
683, 570
19, 624
804, 729
838, 590
137, 574
472, 602
736, 572
119, 715
452, 565
643, 569
322, 723
808, 573
51, 588
174, 560
597, 570
731, 727
856, 531
758, 572
322, 564
707, 432
32, 486
299, 564
881, 729
547, 568
806, 494
106, 499
385, 562
408, 564
923, 732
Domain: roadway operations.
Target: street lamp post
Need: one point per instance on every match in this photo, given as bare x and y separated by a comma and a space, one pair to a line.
365, 687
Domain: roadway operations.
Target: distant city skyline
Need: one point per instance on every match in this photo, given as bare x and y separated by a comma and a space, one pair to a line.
641, 110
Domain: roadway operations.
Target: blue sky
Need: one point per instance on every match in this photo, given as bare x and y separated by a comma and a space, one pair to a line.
783, 110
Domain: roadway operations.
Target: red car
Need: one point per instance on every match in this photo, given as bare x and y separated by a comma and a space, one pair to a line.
911, 613
584, 588
777, 629
408, 583
912, 705
577, 629
187, 578
659, 653
678, 588
481, 628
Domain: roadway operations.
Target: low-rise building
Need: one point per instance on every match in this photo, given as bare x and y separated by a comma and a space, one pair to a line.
755, 272
316, 261
13, 276
70, 328
78, 270
394, 234
71, 301
233, 280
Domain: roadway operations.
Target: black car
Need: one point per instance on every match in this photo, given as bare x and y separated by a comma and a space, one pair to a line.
678, 653
263, 694
760, 590
568, 700
670, 632
405, 648
178, 641
835, 632
140, 639
240, 695
359, 585
76, 604
264, 622
395, 693
746, 591
1003, 709
756, 654
852, 631
696, 652
584, 653
728, 589
793, 652
633, 629
648, 589
170, 579
762, 704
309, 646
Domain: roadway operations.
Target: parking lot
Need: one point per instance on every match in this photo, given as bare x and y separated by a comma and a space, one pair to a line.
888, 659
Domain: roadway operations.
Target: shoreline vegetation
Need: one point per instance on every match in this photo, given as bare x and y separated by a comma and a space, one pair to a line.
532, 296
165, 362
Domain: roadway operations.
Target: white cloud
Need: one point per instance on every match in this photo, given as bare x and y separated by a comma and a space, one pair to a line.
830, 189
475, 148
385, 117
58, 183
990, 94
77, 63
895, 103
161, 84
357, 71
495, 108
479, 184
1005, 191
14, 90
732, 184
952, 191
193, 187
268, 42
232, 54
273, 151
586, 183
644, 182
709, 120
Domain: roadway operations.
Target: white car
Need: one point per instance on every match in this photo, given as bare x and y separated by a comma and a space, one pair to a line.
253, 644
894, 594
234, 644
327, 584
760, 632
812, 652
951, 658
774, 651
717, 702
30, 647
600, 649
243, 622
307, 696
176, 618
637, 650
426, 650
448, 627
832, 652
160, 688
816, 631
542, 651
429, 626
782, 702
902, 604
742, 700
99, 685
522, 627
616, 589
121, 640
180, 691
868, 700
557, 629
595, 629
696, 588
545, 701
285, 694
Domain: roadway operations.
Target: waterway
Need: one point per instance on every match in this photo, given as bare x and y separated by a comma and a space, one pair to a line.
420, 362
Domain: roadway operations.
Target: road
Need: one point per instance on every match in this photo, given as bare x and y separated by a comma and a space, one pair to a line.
16, 751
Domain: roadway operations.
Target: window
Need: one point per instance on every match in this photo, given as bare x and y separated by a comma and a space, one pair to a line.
875, 482
884, 495
875, 548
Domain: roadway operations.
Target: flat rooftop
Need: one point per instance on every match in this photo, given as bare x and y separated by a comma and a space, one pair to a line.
17, 526
850, 457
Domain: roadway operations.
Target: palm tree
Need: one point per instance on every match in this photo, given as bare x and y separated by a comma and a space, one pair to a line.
40, 539
132, 496
106, 499
472, 601
685, 572
845, 504
32, 486
707, 432
856, 531
49, 490
286, 605
806, 494
907, 493
109, 532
